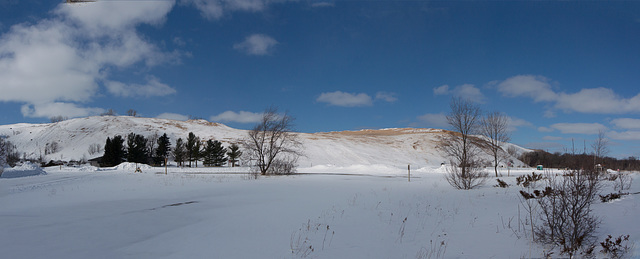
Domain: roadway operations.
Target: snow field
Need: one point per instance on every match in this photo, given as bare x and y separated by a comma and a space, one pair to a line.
326, 212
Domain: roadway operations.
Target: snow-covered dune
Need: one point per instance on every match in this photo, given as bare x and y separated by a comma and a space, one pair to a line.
390, 147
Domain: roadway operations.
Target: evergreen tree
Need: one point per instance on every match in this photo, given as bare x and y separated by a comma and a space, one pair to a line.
214, 154
207, 154
137, 148
179, 152
191, 143
234, 154
219, 154
197, 151
163, 149
114, 152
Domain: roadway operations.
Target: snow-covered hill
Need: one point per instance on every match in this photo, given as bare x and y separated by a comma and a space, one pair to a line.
389, 147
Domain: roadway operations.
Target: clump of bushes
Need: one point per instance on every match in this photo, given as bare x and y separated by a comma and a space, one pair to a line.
616, 248
527, 180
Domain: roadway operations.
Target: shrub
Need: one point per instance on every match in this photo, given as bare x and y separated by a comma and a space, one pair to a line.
565, 212
472, 178
526, 180
501, 184
616, 248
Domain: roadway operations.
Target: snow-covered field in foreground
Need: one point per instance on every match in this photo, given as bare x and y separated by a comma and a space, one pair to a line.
326, 212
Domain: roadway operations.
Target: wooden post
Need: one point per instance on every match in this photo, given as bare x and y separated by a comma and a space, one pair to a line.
165, 165
409, 172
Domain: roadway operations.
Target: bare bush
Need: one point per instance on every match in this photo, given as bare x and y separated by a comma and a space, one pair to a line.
622, 182
565, 212
472, 178
616, 248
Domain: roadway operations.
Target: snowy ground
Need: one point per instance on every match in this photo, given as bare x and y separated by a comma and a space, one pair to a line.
324, 212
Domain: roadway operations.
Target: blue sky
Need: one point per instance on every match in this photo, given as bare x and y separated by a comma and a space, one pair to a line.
561, 70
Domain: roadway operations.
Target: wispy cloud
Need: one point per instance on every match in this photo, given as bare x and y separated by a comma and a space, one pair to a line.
386, 96
51, 109
465, 91
216, 9
626, 135
578, 128
552, 138
626, 123
257, 45
434, 120
589, 100
240, 117
173, 116
322, 4
339, 98
153, 87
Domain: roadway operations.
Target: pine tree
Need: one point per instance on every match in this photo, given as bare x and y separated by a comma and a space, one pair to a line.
191, 143
218, 154
163, 149
208, 154
197, 151
114, 152
137, 148
234, 154
214, 154
179, 152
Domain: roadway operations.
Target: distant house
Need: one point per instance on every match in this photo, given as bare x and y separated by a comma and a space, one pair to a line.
95, 161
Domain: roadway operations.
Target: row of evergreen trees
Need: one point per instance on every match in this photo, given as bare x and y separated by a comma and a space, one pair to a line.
143, 150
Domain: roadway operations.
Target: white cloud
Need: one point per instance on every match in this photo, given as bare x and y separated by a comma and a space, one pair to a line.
441, 90
58, 63
626, 135
215, 9
588, 100
173, 116
322, 4
469, 92
465, 91
343, 99
105, 17
545, 129
48, 110
626, 123
579, 128
435, 120
535, 87
241, 117
515, 123
256, 44
387, 97
552, 138
545, 145
153, 87
597, 100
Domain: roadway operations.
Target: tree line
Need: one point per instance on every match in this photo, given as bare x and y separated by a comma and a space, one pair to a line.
156, 150
577, 161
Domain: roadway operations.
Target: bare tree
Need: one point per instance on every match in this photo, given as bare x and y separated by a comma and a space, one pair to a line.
495, 127
94, 149
109, 112
600, 146
464, 120
132, 113
4, 153
272, 146
58, 118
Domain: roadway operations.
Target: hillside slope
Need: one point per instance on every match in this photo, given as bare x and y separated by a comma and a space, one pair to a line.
390, 147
